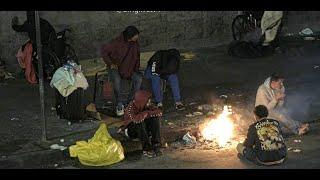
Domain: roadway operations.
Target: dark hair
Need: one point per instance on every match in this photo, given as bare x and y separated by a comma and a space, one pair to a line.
261, 111
276, 77
129, 32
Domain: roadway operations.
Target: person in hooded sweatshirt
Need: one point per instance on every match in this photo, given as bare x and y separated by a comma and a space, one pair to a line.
142, 120
122, 56
264, 144
272, 95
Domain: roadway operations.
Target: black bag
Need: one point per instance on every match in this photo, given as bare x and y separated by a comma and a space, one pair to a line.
244, 49
72, 107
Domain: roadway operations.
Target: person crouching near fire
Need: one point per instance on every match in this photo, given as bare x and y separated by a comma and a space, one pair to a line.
264, 144
142, 119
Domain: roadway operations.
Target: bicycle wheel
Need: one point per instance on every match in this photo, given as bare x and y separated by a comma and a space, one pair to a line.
50, 64
239, 27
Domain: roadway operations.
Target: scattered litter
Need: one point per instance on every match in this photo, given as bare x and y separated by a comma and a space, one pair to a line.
53, 108
192, 103
69, 123
297, 140
61, 140
306, 32
57, 147
166, 145
315, 67
189, 139
290, 148
289, 34
210, 113
200, 108
13, 119
55, 165
189, 115
223, 96
296, 150
309, 38
170, 123
197, 113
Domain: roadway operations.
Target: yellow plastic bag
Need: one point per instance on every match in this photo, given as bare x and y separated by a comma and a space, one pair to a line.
101, 150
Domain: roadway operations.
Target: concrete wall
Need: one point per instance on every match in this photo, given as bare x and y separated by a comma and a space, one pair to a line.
166, 29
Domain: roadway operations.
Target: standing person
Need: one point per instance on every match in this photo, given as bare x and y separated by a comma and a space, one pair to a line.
122, 56
264, 143
164, 64
141, 120
272, 95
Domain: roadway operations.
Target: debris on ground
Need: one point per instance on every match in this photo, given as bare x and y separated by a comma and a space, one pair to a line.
197, 113
61, 140
189, 139
306, 32
290, 148
315, 67
13, 119
189, 115
210, 113
53, 108
296, 150
69, 123
55, 165
170, 123
192, 103
166, 145
297, 141
57, 147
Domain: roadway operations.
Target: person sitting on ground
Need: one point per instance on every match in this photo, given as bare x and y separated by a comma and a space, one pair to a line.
272, 95
142, 119
122, 56
164, 64
264, 144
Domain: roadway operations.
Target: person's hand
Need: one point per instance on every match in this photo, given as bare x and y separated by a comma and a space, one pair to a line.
279, 96
15, 20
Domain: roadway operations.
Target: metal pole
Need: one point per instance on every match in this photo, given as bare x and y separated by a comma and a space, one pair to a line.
40, 68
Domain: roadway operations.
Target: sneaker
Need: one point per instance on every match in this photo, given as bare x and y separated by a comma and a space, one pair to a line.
148, 154
159, 105
179, 106
120, 111
158, 152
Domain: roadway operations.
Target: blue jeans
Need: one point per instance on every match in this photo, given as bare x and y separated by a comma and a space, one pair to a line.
156, 85
116, 79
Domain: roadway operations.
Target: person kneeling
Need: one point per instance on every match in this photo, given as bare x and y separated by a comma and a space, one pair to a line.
264, 144
142, 120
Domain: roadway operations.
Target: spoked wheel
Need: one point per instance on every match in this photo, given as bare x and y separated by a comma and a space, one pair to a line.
50, 64
238, 27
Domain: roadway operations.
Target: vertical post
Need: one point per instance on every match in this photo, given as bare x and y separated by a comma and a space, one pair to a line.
40, 68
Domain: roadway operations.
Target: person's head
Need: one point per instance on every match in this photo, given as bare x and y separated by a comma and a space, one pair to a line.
276, 81
260, 112
131, 34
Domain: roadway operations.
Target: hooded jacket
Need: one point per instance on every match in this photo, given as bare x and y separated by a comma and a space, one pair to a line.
165, 62
137, 111
126, 55
266, 96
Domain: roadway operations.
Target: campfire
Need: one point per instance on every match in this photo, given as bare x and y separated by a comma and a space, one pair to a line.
220, 129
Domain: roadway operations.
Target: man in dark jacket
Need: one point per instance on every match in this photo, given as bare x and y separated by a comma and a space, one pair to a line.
48, 37
264, 144
122, 56
164, 64
141, 120
29, 26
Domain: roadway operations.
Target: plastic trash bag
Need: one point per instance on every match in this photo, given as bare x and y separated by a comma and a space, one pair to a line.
101, 150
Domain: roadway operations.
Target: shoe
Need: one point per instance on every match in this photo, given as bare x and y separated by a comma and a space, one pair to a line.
120, 111
179, 106
158, 152
149, 154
